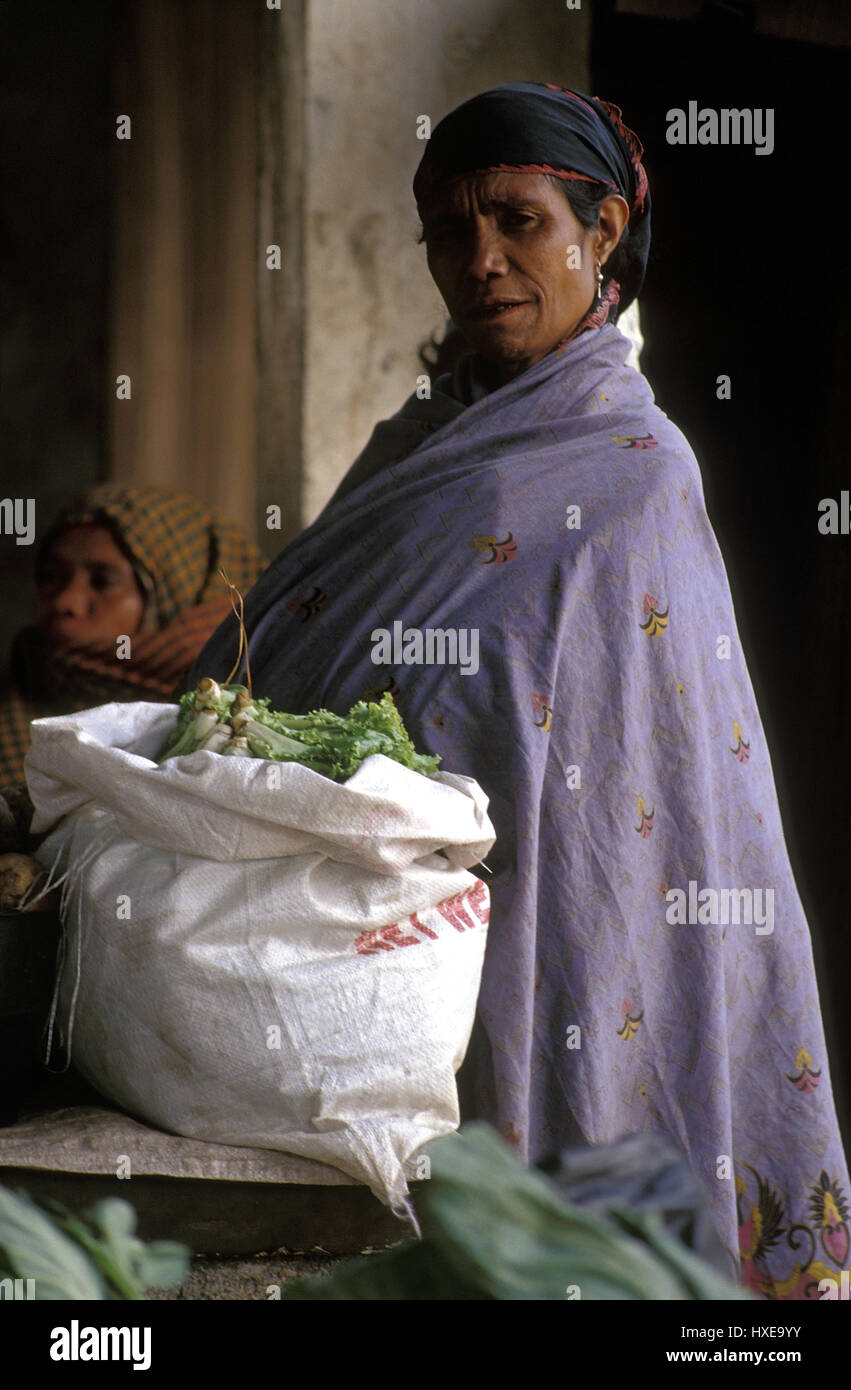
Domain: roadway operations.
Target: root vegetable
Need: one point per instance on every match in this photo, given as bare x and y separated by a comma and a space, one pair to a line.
236, 747
18, 873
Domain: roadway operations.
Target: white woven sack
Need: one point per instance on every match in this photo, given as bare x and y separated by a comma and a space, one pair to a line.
288, 966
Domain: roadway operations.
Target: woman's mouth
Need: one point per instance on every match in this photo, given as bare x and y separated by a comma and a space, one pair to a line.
495, 309
66, 632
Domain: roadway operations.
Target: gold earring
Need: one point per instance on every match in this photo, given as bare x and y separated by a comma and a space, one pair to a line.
599, 283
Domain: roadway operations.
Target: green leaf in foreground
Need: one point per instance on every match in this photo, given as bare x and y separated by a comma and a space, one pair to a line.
494, 1229
93, 1256
126, 1262
33, 1247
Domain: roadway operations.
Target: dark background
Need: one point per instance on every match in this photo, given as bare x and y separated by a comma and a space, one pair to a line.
57, 133
748, 276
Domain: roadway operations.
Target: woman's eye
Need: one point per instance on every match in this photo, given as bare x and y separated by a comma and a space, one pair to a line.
438, 235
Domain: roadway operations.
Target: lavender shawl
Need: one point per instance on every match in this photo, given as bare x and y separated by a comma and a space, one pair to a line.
613, 725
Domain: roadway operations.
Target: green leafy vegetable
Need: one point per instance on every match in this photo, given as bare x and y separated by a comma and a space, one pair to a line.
494, 1229
227, 720
33, 1247
94, 1256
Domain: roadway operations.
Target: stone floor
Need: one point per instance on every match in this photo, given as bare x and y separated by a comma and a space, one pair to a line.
253, 1218
246, 1279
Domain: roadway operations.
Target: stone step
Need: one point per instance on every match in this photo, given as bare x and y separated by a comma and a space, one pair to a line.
215, 1198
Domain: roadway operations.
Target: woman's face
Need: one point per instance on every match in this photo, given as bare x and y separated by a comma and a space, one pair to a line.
87, 591
506, 239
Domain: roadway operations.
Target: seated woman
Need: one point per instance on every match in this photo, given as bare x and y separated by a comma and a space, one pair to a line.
119, 562
526, 561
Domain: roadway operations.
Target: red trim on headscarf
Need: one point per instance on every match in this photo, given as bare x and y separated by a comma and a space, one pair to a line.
433, 178
566, 175
629, 136
636, 150
574, 96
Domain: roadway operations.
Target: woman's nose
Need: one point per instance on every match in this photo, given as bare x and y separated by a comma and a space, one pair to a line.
485, 255
74, 597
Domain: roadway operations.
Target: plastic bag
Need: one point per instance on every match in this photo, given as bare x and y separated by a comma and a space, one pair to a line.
264, 958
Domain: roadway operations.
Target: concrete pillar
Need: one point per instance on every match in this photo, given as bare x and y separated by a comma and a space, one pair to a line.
369, 68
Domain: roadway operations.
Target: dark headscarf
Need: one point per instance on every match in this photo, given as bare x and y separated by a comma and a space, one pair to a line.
537, 128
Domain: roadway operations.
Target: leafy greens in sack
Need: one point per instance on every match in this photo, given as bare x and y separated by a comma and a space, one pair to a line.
227, 719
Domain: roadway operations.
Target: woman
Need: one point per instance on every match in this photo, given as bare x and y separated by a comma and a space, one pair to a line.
128, 591
648, 962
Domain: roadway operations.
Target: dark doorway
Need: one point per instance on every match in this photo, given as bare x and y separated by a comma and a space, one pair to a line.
747, 278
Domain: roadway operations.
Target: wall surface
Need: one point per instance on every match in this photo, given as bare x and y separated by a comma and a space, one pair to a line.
373, 67
183, 263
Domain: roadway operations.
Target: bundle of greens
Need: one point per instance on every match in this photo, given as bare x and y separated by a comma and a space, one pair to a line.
227, 719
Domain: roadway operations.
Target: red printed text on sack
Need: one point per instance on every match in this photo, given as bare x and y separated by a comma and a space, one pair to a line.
463, 912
